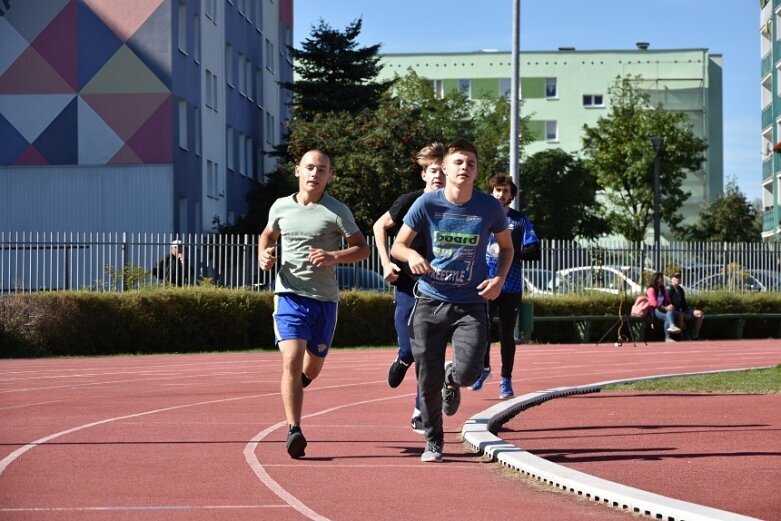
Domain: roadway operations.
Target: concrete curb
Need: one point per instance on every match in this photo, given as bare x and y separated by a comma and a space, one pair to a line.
480, 430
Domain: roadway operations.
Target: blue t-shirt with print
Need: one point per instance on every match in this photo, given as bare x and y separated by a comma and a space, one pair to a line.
523, 234
458, 237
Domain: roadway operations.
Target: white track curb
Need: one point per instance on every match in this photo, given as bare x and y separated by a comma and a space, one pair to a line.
478, 433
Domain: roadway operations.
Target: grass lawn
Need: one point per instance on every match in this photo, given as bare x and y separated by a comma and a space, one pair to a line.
756, 381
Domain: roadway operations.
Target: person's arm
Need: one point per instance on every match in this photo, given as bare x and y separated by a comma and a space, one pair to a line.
390, 271
528, 252
491, 288
267, 249
356, 251
402, 251
528, 247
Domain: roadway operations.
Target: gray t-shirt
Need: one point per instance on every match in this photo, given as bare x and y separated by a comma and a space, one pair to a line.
321, 225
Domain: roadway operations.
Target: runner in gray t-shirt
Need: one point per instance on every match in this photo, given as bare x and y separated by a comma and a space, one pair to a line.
311, 224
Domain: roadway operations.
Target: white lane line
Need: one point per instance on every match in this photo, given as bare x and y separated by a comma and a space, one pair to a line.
140, 507
23, 405
268, 481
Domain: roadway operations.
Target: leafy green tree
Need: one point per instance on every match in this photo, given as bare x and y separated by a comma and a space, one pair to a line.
730, 218
334, 74
558, 193
618, 151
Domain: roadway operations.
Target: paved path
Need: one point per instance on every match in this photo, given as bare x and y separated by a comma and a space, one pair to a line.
200, 437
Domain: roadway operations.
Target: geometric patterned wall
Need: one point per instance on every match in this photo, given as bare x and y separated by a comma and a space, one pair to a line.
85, 82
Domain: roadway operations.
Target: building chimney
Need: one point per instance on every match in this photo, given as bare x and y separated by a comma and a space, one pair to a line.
643, 46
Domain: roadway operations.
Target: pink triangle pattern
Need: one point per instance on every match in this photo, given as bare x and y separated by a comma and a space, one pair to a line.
124, 18
125, 113
125, 156
152, 142
31, 74
58, 45
30, 157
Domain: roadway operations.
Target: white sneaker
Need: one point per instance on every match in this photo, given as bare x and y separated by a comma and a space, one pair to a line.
673, 329
670, 340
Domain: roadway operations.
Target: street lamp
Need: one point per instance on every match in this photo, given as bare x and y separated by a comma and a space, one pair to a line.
657, 142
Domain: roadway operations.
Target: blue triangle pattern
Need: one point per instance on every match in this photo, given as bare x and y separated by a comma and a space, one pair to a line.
59, 142
12, 143
97, 43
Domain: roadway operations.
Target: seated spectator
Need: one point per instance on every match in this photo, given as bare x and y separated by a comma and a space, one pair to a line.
173, 268
661, 304
683, 312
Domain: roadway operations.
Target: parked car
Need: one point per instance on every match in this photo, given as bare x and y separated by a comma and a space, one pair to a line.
606, 279
771, 280
740, 282
538, 281
356, 277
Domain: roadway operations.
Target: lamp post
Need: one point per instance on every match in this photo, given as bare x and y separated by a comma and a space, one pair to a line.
515, 88
657, 142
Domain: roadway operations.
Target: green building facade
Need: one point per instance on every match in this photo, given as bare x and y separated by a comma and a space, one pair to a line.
770, 45
566, 89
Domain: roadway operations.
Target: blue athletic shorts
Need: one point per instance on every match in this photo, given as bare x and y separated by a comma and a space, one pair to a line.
304, 318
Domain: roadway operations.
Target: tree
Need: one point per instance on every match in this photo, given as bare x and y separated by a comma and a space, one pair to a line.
559, 195
730, 218
618, 151
334, 74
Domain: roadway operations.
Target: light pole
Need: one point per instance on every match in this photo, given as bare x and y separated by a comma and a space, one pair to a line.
657, 142
515, 89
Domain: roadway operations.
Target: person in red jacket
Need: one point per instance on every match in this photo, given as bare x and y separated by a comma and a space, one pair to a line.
662, 305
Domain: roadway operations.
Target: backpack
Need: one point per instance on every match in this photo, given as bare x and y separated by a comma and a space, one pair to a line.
641, 308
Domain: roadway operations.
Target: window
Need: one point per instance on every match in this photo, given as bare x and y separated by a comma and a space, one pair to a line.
439, 88
242, 155
197, 129
551, 131
229, 148
258, 87
465, 86
211, 90
593, 100
505, 86
258, 15
248, 151
211, 179
551, 91
240, 66
182, 28
197, 38
269, 127
229, 64
269, 55
248, 79
182, 113
210, 10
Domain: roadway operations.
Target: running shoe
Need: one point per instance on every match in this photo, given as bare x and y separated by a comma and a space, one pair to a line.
451, 394
397, 372
432, 452
483, 378
417, 424
505, 389
296, 442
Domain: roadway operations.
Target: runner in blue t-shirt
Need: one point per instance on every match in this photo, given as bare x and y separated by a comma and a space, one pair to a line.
453, 290
527, 247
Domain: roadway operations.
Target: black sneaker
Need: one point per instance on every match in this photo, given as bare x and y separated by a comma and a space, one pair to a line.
397, 372
296, 442
417, 424
451, 396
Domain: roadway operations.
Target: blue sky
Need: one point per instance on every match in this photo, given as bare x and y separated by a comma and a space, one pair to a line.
726, 27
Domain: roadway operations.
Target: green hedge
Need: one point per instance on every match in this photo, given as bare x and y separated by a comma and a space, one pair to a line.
210, 319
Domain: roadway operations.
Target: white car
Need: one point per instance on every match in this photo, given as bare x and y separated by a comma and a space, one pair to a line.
606, 279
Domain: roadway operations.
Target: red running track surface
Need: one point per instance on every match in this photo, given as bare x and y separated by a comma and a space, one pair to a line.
202, 437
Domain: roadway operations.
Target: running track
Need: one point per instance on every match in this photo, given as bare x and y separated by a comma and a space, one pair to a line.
201, 437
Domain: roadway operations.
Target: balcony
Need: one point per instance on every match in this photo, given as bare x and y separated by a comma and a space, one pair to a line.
767, 61
767, 116
767, 169
769, 222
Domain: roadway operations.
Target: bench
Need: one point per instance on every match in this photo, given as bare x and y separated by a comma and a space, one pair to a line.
738, 321
582, 324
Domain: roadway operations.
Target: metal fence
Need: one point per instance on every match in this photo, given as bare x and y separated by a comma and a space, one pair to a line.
56, 261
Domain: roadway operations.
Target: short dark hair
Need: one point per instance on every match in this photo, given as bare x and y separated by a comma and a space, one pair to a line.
460, 145
503, 180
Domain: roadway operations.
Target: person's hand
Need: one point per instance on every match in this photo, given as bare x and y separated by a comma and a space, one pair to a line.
490, 288
390, 272
268, 258
321, 258
418, 264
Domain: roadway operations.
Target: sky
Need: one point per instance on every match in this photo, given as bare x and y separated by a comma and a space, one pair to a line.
726, 27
